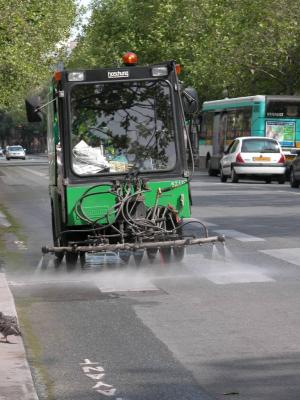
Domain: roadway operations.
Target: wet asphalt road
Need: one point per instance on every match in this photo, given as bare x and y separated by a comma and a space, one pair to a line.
223, 324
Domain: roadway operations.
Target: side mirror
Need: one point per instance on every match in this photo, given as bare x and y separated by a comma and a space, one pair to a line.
32, 109
190, 101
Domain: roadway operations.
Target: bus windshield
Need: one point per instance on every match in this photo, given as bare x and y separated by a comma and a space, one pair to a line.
121, 127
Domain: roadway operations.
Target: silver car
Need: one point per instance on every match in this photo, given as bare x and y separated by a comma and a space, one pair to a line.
15, 152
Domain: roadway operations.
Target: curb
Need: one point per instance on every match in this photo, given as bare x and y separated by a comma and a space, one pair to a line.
15, 377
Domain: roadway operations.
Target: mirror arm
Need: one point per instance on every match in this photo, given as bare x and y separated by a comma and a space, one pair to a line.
44, 105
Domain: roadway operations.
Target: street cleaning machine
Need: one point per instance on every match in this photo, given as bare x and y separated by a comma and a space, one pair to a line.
118, 172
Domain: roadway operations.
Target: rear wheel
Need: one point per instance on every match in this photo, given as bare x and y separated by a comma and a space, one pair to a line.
71, 261
125, 257
151, 253
82, 259
138, 256
234, 176
59, 255
293, 181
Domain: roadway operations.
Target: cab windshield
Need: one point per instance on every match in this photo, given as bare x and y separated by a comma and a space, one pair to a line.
121, 127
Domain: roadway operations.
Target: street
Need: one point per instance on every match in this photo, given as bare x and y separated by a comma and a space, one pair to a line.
222, 324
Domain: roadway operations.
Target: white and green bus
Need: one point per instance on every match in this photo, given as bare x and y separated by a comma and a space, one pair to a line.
223, 120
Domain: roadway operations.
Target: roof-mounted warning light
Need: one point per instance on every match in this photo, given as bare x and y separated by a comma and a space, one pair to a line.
130, 59
57, 76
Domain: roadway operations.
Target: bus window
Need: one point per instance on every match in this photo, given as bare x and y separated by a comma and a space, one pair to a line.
282, 109
207, 126
231, 125
239, 123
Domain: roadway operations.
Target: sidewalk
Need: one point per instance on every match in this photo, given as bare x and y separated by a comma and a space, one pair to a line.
15, 376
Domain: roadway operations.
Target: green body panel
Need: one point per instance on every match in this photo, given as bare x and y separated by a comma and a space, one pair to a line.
95, 206
100, 203
178, 197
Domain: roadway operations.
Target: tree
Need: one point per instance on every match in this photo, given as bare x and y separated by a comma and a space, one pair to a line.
246, 46
29, 34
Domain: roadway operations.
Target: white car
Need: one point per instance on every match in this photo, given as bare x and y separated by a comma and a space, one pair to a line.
254, 156
15, 152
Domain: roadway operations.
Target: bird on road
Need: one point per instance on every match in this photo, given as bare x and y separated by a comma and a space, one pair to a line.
8, 326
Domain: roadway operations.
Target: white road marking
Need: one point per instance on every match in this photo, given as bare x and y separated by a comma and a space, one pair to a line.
240, 236
3, 221
33, 171
227, 271
100, 386
291, 255
20, 245
127, 287
237, 276
253, 192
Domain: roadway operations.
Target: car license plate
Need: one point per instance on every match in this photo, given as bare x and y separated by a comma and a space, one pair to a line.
261, 159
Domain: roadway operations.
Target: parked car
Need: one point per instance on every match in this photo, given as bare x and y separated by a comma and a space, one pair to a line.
295, 171
15, 152
253, 156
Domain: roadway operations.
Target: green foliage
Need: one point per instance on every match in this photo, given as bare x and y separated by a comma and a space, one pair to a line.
29, 34
247, 46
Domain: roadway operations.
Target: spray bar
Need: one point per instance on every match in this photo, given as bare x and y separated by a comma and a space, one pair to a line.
133, 246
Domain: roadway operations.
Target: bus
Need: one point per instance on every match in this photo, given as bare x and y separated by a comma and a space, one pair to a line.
223, 120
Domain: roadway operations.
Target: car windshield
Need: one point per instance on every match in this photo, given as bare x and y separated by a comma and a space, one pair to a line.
15, 148
260, 146
122, 127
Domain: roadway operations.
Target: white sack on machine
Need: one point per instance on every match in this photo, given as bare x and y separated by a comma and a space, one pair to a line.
88, 160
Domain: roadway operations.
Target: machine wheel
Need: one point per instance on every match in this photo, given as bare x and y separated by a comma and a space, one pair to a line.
165, 254
71, 261
281, 179
178, 253
234, 176
293, 181
82, 259
57, 260
138, 256
151, 253
223, 178
268, 179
